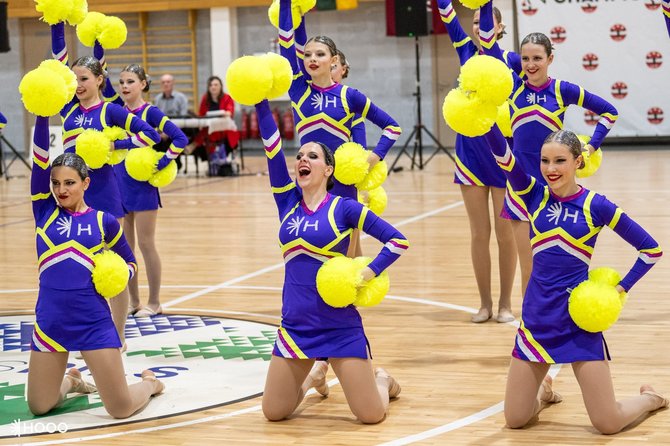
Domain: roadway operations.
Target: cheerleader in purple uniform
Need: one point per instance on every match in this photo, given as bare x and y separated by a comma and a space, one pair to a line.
565, 219
478, 177
88, 110
666, 14
315, 227
70, 314
537, 107
140, 198
339, 70
324, 110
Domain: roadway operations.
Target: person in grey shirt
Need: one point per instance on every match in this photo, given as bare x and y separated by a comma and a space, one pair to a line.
169, 101
173, 104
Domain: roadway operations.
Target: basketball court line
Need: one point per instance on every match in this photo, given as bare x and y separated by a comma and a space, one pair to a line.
281, 264
439, 430
495, 409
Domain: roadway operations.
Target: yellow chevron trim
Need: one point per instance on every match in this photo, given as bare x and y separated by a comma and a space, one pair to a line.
534, 343
281, 190
40, 196
48, 340
291, 343
69, 244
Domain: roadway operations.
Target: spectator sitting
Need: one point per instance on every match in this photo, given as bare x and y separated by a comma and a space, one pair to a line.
169, 101
215, 99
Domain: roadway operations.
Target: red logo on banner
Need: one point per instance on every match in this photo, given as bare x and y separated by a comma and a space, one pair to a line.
588, 8
590, 117
655, 115
618, 32
652, 5
619, 90
654, 59
558, 34
527, 8
590, 61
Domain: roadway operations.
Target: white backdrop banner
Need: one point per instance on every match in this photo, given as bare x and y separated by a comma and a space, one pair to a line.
617, 49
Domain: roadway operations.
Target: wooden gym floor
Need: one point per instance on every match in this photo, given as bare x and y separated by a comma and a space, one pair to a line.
217, 240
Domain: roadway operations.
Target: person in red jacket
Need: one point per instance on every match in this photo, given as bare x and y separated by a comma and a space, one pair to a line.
214, 100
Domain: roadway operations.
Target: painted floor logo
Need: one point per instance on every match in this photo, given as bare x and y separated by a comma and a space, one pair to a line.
203, 361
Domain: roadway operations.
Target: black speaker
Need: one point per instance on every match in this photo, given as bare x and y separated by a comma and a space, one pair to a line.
4, 35
406, 18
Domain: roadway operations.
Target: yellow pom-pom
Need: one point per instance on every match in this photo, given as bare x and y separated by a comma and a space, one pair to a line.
304, 6
474, 4
594, 306
375, 177
273, 14
117, 156
282, 74
489, 77
113, 32
608, 276
79, 11
110, 274
165, 176
337, 281
249, 80
504, 120
375, 290
88, 29
94, 147
54, 11
42, 93
351, 163
63, 71
592, 163
467, 116
141, 163
115, 133
584, 139
375, 199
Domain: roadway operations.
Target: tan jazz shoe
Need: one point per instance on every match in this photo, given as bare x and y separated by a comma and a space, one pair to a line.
318, 375
78, 384
394, 387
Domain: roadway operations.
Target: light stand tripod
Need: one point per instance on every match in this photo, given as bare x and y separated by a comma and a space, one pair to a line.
4, 165
418, 128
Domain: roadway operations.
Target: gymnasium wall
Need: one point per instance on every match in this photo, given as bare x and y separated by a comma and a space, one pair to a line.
618, 50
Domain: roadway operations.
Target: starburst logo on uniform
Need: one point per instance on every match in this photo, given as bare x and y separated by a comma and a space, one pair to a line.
554, 212
294, 225
64, 225
317, 101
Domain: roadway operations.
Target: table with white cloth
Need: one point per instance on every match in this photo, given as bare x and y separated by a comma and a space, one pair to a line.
214, 122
